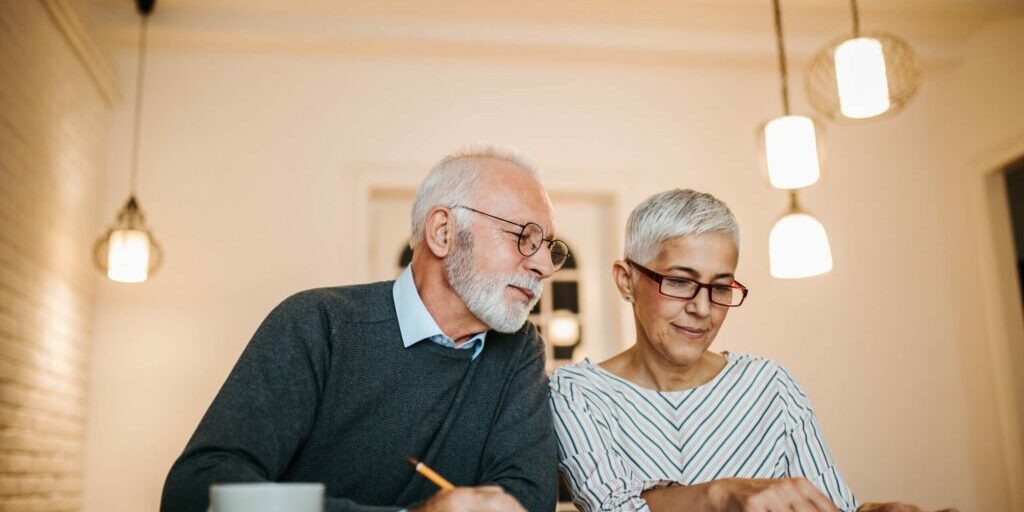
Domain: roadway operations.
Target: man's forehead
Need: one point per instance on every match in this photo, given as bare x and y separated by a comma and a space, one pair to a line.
517, 196
523, 211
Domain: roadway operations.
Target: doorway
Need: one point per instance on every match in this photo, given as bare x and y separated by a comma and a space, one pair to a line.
1014, 176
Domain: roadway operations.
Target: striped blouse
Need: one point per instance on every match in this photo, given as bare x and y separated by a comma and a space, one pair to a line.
617, 439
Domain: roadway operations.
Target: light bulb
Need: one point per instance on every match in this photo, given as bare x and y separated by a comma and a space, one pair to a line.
861, 79
128, 256
798, 247
563, 329
791, 152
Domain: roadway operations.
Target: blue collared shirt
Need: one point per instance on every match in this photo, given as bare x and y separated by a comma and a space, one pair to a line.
415, 322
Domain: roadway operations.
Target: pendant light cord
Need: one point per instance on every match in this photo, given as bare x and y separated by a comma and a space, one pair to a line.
781, 46
856, 18
140, 76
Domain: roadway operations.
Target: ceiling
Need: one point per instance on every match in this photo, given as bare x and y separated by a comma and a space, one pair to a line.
722, 30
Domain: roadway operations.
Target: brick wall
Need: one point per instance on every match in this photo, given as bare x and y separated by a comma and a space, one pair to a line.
52, 115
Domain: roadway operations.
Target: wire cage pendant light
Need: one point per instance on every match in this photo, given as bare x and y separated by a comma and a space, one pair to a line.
791, 145
863, 75
127, 252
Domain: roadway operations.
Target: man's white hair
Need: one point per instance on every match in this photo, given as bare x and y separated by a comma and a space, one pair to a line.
453, 181
675, 213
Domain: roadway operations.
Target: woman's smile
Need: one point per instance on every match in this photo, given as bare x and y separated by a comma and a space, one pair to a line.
693, 333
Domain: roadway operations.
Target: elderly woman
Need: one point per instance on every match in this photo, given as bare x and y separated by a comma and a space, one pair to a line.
669, 425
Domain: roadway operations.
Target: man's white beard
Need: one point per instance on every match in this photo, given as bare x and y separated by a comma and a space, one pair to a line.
484, 295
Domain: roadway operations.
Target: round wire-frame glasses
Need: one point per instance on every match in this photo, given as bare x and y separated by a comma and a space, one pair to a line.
531, 239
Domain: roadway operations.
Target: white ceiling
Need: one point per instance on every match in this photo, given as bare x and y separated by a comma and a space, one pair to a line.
738, 30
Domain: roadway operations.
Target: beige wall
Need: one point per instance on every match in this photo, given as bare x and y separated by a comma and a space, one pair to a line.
978, 121
252, 180
52, 127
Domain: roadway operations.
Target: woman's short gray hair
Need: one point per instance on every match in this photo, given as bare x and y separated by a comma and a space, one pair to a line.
675, 213
453, 181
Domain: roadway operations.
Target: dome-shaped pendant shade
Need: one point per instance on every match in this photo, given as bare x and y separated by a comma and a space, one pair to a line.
798, 247
127, 252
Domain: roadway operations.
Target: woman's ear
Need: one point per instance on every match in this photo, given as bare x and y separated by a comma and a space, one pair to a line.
439, 231
623, 280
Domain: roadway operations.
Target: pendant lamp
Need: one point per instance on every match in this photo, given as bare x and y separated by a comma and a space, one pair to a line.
798, 245
863, 75
127, 252
791, 145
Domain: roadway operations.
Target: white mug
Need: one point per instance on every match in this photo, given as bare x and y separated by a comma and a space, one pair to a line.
267, 497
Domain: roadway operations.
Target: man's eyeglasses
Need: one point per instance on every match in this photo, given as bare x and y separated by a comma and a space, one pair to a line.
531, 238
729, 295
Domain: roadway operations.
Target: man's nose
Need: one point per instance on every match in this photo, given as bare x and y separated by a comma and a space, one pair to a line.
540, 263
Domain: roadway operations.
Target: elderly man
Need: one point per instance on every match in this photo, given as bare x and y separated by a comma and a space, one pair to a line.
340, 385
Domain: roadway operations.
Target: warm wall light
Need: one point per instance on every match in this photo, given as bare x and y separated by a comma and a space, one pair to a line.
860, 78
127, 252
790, 145
863, 75
798, 246
791, 152
563, 329
563, 332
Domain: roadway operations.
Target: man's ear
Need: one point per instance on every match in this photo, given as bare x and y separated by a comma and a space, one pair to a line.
623, 280
439, 231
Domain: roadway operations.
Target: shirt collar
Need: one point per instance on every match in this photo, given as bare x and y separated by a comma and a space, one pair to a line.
414, 320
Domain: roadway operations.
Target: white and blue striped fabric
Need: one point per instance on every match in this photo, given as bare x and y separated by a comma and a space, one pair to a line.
617, 439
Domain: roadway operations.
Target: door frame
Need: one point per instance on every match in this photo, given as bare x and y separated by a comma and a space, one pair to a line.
1001, 297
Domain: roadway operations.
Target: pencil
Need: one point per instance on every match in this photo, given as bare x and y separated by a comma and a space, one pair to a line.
430, 474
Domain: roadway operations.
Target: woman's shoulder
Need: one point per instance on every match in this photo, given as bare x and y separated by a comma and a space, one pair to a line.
758, 364
779, 378
584, 375
579, 372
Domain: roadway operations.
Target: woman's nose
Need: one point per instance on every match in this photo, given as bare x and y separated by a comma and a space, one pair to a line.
701, 304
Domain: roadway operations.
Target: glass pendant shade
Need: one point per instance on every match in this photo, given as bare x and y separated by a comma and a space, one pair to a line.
798, 247
790, 146
128, 256
860, 78
127, 252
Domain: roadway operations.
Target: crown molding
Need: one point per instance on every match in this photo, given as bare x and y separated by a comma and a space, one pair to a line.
730, 33
81, 42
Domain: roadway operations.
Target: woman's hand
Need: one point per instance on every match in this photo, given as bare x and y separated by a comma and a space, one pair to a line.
768, 495
895, 507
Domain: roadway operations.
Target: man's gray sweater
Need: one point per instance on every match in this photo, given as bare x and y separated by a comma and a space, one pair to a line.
326, 392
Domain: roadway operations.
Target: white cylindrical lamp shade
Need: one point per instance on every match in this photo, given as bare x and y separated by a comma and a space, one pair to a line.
791, 152
860, 78
128, 256
798, 247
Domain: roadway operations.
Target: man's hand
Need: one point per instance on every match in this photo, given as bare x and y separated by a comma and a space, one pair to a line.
490, 498
895, 507
768, 495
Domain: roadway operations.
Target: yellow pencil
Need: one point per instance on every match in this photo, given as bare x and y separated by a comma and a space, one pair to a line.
430, 474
